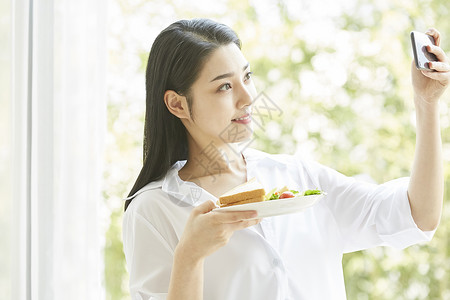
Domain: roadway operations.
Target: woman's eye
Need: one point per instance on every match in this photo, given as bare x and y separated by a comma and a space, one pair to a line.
225, 87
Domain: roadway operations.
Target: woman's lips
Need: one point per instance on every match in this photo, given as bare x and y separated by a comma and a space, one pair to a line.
243, 120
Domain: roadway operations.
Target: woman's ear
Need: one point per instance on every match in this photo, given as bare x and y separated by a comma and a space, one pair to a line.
176, 104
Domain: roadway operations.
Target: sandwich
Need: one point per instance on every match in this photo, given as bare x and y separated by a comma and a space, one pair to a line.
249, 192
252, 191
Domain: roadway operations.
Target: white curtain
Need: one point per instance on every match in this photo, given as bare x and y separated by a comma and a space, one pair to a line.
53, 149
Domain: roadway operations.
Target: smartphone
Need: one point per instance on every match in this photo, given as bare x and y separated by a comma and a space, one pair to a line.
419, 42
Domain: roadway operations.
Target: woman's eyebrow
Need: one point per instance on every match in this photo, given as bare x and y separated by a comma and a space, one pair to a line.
229, 74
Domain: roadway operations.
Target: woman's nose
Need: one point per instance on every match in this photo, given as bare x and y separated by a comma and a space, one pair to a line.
245, 97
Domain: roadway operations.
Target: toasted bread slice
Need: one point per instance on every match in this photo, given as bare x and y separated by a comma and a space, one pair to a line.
252, 200
249, 190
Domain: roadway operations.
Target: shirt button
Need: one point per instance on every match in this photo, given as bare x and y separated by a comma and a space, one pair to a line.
275, 262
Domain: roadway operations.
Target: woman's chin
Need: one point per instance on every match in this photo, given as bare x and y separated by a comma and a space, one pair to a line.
243, 140
237, 134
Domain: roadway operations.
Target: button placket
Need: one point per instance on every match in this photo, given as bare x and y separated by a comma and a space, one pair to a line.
277, 262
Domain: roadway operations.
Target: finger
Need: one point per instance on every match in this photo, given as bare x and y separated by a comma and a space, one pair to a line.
441, 77
435, 34
204, 208
243, 224
440, 54
227, 217
439, 66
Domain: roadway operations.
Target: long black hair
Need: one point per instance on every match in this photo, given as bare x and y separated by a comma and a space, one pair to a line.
175, 61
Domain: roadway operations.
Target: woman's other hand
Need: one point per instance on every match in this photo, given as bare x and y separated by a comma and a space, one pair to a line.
430, 85
206, 231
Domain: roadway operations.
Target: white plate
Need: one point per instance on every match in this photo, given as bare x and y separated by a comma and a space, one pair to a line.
278, 207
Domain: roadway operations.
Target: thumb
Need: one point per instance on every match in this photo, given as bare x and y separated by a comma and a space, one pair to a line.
205, 207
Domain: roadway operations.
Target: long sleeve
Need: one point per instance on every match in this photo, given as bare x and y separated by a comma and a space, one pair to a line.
368, 215
149, 258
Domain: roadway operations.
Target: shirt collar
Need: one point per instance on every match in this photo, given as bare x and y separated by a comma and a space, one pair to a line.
184, 192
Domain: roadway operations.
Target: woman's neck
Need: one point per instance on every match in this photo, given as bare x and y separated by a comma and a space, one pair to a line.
212, 159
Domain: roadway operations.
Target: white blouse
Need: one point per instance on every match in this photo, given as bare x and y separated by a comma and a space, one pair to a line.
296, 256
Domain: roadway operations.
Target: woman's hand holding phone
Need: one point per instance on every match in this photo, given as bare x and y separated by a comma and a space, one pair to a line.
430, 84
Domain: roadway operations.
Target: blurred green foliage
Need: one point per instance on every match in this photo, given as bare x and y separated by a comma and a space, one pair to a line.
340, 71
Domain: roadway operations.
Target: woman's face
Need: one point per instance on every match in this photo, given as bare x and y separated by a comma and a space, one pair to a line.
223, 92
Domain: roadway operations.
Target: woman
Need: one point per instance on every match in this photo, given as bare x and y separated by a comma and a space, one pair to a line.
199, 91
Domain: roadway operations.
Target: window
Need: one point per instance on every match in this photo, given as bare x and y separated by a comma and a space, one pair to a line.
53, 112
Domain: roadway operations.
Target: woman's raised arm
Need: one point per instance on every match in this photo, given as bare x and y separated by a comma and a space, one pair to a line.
426, 188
